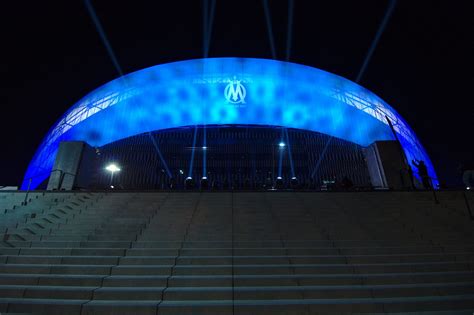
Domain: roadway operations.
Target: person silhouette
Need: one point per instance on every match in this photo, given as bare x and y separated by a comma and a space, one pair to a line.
467, 171
423, 172
346, 183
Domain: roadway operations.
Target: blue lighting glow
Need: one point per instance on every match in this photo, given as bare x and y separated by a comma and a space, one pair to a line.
225, 91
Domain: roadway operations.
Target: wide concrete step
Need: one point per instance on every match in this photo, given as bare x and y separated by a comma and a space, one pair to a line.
239, 293
109, 265
67, 244
448, 244
315, 292
47, 292
63, 251
251, 251
124, 256
226, 280
56, 269
68, 260
282, 306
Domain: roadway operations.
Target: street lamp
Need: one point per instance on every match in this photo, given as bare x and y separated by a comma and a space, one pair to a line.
189, 183
112, 168
279, 183
204, 183
294, 182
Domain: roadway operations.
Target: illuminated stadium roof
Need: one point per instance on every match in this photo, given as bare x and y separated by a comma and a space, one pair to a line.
225, 91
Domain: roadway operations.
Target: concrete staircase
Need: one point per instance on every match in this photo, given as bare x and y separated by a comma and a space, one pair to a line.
237, 253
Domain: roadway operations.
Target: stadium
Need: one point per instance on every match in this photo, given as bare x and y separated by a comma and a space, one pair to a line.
227, 123
230, 185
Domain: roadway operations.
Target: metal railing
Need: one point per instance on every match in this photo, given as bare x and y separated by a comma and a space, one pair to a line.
62, 174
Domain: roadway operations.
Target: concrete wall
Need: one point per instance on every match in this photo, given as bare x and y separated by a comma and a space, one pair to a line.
72, 166
387, 167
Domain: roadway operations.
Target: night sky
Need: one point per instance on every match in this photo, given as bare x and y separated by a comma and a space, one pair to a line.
52, 55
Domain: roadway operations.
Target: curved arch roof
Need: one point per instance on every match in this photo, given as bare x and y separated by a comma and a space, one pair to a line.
225, 91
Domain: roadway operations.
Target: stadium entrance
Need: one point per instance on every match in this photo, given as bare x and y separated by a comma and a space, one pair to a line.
230, 157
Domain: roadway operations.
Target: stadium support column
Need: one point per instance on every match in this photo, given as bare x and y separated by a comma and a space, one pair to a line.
72, 167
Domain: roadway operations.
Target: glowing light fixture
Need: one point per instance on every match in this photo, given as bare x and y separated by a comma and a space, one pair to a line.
113, 168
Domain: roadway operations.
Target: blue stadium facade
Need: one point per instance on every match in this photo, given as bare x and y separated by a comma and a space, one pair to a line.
226, 91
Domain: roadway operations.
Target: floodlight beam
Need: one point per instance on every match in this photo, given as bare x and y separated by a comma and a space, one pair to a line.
268, 19
281, 145
117, 66
193, 149
289, 35
290, 156
386, 18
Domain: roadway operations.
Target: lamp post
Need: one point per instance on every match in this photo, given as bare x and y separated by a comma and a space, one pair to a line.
112, 168
279, 181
